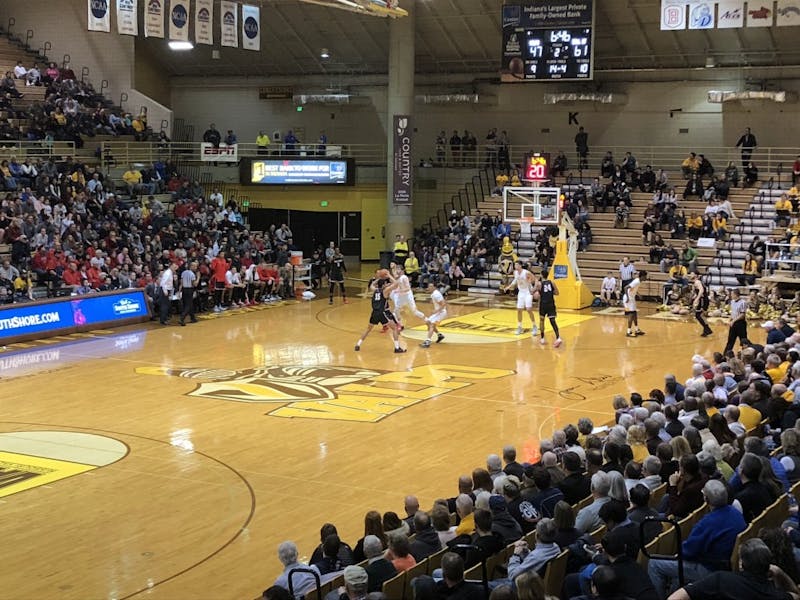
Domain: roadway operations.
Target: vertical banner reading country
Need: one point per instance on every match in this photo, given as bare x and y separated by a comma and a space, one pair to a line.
127, 17
154, 19
99, 18
251, 28
402, 168
204, 22
229, 13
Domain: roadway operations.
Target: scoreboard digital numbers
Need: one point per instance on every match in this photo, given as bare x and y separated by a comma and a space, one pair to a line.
537, 167
547, 40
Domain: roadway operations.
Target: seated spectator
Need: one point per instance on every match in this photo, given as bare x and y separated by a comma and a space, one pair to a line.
694, 188
757, 578
709, 545
576, 485
525, 559
720, 227
684, 493
750, 174
783, 211
399, 552
753, 497
588, 518
343, 554
302, 582
621, 216
487, 541
379, 570
452, 584
329, 561
690, 165
426, 540
640, 510
502, 521
749, 271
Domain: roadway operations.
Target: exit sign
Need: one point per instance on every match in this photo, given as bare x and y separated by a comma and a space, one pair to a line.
323, 203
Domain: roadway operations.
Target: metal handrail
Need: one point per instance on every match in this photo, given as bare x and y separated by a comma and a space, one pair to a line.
678, 541
38, 149
305, 570
126, 153
669, 158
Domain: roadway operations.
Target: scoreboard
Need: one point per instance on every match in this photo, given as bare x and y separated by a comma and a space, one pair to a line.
547, 40
537, 167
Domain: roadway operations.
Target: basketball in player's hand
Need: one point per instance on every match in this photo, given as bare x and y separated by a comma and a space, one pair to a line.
383, 274
536, 295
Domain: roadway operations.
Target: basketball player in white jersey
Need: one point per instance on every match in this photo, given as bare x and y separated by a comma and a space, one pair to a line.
523, 281
404, 297
439, 313
547, 292
629, 304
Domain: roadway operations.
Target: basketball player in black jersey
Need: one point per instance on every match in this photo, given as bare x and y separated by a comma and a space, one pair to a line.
381, 288
336, 271
700, 302
547, 306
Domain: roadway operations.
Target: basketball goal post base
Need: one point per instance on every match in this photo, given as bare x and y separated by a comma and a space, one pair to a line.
573, 293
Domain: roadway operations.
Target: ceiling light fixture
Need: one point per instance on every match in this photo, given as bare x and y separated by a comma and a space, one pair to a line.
324, 53
181, 45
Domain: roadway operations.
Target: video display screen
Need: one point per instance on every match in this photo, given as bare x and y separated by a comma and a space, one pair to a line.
299, 171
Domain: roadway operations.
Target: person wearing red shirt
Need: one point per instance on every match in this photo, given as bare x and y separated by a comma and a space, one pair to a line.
72, 277
219, 267
796, 171
273, 280
93, 275
261, 281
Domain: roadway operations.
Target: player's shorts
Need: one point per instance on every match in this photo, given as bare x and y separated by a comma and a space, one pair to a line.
219, 285
336, 279
437, 317
524, 300
547, 310
404, 299
381, 317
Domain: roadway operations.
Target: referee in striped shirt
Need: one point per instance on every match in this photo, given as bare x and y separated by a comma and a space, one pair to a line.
626, 271
738, 325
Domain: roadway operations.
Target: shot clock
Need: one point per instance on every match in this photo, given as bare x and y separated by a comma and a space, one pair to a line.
547, 40
537, 167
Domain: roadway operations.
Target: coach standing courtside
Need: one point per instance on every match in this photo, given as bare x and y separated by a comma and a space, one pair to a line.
167, 287
738, 325
188, 285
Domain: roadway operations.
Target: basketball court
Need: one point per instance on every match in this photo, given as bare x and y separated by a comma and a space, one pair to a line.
170, 462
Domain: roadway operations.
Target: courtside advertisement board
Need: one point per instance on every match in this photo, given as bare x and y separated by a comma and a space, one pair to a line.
74, 313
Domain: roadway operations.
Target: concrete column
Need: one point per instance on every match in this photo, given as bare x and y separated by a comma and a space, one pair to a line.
400, 101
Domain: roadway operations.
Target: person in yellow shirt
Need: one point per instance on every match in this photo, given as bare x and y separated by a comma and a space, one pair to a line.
690, 165
133, 178
501, 181
400, 249
139, 128
263, 142
749, 271
412, 268
775, 368
465, 509
677, 273
720, 227
694, 225
515, 182
783, 211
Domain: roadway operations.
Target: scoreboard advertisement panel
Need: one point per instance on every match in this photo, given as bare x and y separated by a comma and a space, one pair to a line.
547, 40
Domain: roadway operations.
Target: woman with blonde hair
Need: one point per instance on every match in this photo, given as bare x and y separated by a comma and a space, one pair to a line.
680, 447
636, 440
531, 587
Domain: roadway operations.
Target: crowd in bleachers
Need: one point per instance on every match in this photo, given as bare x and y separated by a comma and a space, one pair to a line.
718, 454
69, 232
71, 110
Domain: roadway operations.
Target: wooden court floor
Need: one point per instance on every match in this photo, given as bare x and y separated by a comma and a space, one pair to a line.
171, 462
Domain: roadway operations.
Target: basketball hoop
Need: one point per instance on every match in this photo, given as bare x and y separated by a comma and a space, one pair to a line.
526, 225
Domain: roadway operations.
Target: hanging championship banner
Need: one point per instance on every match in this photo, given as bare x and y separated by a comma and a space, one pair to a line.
99, 18
701, 15
127, 17
788, 13
402, 167
229, 23
673, 15
730, 14
759, 14
204, 22
154, 19
251, 28
179, 21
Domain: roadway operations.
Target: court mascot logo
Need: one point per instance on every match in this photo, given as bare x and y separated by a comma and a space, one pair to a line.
331, 392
